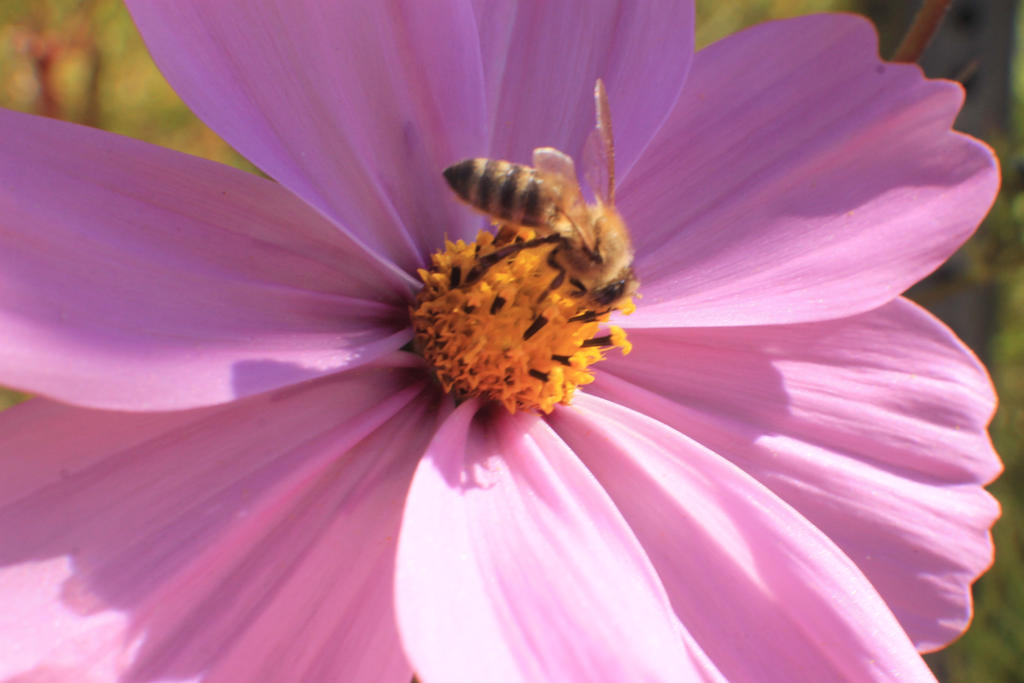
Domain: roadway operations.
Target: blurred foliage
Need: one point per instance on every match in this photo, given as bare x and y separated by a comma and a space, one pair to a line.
718, 19
82, 60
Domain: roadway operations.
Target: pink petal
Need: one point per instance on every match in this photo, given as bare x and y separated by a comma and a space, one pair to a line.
764, 593
541, 60
514, 565
355, 106
249, 540
138, 278
33, 595
872, 427
800, 178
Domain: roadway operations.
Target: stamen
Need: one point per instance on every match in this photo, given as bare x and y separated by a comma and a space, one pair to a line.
587, 316
617, 337
538, 322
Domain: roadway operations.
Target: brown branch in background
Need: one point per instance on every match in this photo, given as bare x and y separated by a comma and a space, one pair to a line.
84, 38
922, 30
52, 45
43, 51
967, 71
44, 55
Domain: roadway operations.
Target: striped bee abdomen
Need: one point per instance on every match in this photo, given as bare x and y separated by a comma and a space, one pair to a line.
509, 192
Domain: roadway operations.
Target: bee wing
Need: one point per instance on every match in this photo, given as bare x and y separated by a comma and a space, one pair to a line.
558, 167
552, 162
599, 151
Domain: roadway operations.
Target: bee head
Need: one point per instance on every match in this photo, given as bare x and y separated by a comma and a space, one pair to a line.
621, 286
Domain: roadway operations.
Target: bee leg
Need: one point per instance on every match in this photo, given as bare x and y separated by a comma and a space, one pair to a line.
580, 288
540, 321
559, 279
485, 262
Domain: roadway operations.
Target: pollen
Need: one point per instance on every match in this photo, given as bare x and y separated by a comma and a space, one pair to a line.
512, 329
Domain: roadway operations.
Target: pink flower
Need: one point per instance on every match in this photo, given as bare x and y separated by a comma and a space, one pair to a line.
237, 475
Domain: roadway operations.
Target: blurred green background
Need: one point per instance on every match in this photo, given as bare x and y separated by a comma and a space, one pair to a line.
82, 60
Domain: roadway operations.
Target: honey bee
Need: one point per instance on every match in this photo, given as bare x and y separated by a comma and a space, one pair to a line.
593, 248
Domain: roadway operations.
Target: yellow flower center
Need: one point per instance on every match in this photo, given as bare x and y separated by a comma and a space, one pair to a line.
497, 329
